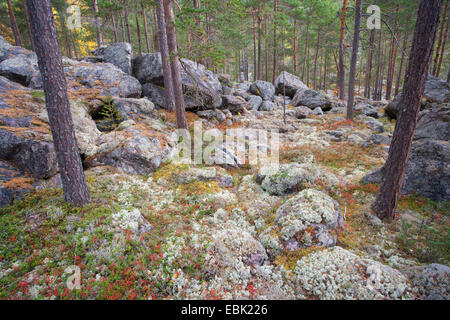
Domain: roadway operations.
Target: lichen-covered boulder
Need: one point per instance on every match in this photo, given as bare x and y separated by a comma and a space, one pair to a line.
432, 281
367, 110
233, 103
310, 218
20, 67
254, 103
337, 274
155, 94
289, 178
289, 84
267, 106
264, 89
434, 123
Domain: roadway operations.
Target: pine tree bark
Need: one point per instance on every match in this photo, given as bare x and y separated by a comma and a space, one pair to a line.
351, 81
369, 64
27, 17
394, 170
441, 34
97, 23
316, 58
295, 46
266, 49
175, 65
14, 27
341, 81
275, 9
165, 57
255, 67
259, 76
57, 102
438, 71
306, 52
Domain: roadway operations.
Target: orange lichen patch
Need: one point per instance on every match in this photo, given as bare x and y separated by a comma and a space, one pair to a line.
18, 98
22, 132
18, 183
15, 113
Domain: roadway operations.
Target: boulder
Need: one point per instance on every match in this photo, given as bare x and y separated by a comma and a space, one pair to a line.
264, 89
201, 87
338, 274
155, 94
233, 103
311, 99
254, 103
302, 112
367, 110
427, 171
134, 109
318, 111
436, 91
20, 67
12, 183
434, 124
212, 115
289, 84
433, 281
119, 54
309, 218
267, 106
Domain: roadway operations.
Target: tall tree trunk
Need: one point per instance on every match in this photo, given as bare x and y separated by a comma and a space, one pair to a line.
127, 23
383, 68
259, 76
275, 9
57, 102
369, 64
122, 27
97, 23
316, 58
113, 21
351, 81
295, 46
325, 70
14, 27
138, 30
147, 36
402, 60
341, 81
394, 170
175, 64
165, 57
377, 78
441, 34
266, 49
306, 52
27, 17
392, 59
438, 71
255, 67
156, 40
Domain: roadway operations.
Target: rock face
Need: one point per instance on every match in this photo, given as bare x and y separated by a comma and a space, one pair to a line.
254, 103
367, 110
310, 218
436, 91
201, 87
288, 83
433, 281
119, 54
264, 89
434, 124
18, 65
12, 183
337, 274
427, 172
233, 103
311, 99
155, 94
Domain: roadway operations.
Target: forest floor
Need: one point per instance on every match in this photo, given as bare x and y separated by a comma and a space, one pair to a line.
169, 247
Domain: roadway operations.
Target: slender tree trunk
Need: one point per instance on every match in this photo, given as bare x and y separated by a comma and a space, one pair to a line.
295, 46
441, 34
165, 57
377, 78
113, 21
341, 83
394, 170
275, 9
255, 67
351, 81
97, 23
259, 76
266, 49
316, 58
306, 52
147, 37
27, 17
438, 72
74, 43
122, 23
127, 23
138, 31
14, 27
402, 60
175, 64
392, 60
57, 102
156, 40
369, 64
383, 68
325, 70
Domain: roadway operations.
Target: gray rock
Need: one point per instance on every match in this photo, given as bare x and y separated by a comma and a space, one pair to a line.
374, 125
8, 193
119, 54
233, 103
318, 111
155, 94
436, 91
267, 106
311, 99
133, 109
20, 67
254, 103
433, 281
380, 139
367, 110
434, 124
288, 83
302, 112
427, 171
264, 89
